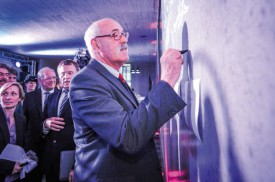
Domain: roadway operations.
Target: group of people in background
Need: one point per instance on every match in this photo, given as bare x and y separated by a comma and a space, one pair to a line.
29, 83
37, 119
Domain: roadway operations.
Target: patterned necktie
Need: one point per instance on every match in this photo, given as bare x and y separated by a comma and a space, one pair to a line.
46, 96
63, 102
121, 78
124, 83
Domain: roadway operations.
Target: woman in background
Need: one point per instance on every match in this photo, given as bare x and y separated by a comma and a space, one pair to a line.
12, 128
30, 83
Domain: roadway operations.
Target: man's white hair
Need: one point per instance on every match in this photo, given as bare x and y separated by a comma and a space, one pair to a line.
92, 32
41, 71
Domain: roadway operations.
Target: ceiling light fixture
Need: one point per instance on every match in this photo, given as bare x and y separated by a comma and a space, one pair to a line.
17, 64
137, 70
55, 52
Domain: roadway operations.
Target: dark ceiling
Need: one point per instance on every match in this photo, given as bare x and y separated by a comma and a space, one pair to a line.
33, 27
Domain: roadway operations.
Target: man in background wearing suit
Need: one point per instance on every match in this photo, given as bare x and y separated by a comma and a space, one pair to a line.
33, 107
58, 127
113, 132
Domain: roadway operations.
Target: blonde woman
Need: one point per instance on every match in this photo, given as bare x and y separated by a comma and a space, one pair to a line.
12, 127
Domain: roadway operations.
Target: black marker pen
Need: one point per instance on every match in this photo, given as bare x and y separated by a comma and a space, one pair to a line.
23, 164
183, 51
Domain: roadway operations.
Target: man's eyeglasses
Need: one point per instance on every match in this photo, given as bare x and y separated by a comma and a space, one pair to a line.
116, 34
49, 78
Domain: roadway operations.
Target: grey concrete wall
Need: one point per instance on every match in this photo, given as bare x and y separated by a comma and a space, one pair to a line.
232, 47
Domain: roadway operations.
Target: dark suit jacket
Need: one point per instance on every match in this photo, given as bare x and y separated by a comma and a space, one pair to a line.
32, 107
57, 141
113, 135
6, 167
19, 108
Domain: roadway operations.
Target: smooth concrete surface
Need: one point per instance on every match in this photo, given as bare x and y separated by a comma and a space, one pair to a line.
232, 47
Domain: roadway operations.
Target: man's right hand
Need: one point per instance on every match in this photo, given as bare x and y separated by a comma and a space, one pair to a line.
171, 63
54, 123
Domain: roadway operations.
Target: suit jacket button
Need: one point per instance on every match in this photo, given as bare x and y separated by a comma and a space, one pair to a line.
172, 112
54, 141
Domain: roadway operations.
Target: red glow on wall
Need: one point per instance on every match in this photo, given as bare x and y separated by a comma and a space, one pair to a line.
174, 174
177, 176
154, 42
154, 25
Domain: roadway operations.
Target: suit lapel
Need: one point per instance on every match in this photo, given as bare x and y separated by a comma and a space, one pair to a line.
4, 126
134, 96
113, 80
65, 108
124, 90
38, 98
56, 101
19, 129
52, 103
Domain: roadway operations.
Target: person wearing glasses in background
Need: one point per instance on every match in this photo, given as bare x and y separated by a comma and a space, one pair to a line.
33, 107
13, 128
113, 132
4, 74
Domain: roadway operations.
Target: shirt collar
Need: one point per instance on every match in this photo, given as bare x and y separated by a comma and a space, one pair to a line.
110, 69
43, 91
65, 91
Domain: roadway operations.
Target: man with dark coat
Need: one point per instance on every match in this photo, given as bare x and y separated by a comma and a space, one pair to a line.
113, 132
58, 124
33, 107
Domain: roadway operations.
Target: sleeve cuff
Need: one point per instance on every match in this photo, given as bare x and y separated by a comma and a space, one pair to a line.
45, 130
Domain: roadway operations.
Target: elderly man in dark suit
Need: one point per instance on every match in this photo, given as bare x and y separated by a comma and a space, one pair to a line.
58, 127
33, 107
113, 132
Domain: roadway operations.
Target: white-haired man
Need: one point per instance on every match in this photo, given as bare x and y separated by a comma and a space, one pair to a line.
113, 132
33, 107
